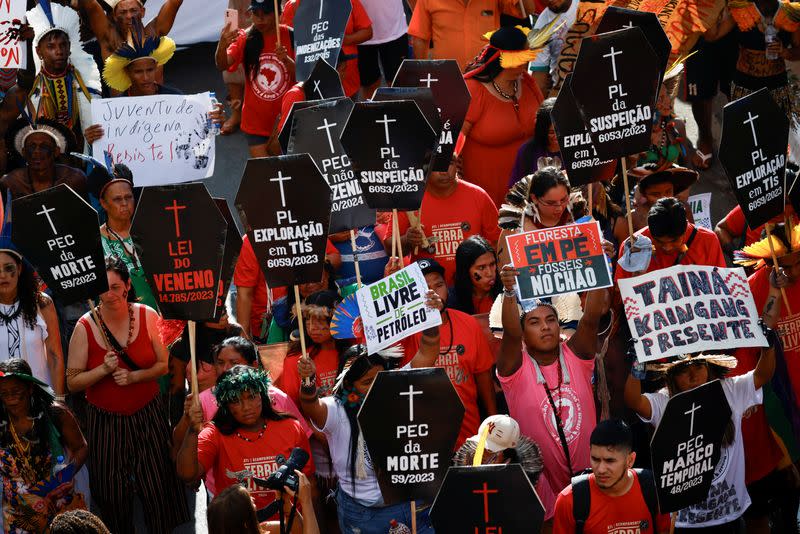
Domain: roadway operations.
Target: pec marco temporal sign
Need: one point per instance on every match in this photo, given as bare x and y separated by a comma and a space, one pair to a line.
690, 308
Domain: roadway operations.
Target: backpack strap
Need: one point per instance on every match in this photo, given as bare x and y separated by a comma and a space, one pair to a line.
648, 484
581, 501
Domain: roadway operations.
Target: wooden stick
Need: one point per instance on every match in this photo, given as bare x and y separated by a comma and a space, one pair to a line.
99, 325
414, 517
627, 198
355, 257
192, 326
299, 312
397, 231
414, 221
775, 265
395, 237
277, 22
590, 201
673, 518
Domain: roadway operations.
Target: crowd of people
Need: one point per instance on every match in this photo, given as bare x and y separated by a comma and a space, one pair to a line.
95, 411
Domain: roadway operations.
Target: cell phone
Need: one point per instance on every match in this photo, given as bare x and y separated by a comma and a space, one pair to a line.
232, 19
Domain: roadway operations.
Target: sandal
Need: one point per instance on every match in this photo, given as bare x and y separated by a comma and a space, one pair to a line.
701, 160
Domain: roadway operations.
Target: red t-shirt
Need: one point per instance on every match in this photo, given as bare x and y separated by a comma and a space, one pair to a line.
761, 452
359, 20
265, 87
468, 211
327, 364
464, 353
626, 514
737, 225
704, 250
230, 455
295, 94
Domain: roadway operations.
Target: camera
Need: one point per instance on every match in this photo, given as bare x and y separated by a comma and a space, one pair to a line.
285, 476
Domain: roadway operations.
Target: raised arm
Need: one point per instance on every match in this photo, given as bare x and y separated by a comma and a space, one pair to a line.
187, 464
162, 24
310, 404
765, 367
634, 398
429, 343
221, 58
584, 341
98, 21
509, 360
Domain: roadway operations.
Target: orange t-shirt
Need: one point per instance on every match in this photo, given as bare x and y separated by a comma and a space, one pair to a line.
468, 211
609, 515
230, 455
704, 250
456, 27
327, 364
265, 87
359, 20
464, 354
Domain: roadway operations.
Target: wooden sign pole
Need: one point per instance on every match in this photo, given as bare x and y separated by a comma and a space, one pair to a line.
355, 257
192, 327
299, 312
775, 266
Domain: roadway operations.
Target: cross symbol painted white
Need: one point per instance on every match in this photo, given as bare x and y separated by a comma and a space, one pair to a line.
410, 394
428, 80
751, 121
691, 412
327, 127
612, 55
321, 4
385, 123
628, 25
280, 179
46, 212
317, 90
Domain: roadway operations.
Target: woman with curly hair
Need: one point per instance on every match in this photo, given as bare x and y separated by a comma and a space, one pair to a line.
41, 448
28, 321
245, 437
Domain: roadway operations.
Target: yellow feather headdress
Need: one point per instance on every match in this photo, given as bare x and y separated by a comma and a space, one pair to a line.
141, 47
537, 39
759, 253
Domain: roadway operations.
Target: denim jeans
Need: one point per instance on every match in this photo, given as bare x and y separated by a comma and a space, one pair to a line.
355, 518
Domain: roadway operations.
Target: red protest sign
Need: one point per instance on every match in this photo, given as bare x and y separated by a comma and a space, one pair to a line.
559, 260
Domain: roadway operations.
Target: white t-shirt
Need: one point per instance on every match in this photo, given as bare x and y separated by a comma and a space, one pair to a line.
337, 430
388, 20
547, 60
19, 341
728, 498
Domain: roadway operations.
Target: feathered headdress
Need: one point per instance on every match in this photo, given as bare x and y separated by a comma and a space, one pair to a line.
518, 203
515, 46
46, 18
528, 452
389, 354
27, 124
232, 383
159, 49
101, 174
758, 254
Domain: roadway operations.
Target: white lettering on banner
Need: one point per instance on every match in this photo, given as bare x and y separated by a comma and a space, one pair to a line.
164, 139
690, 308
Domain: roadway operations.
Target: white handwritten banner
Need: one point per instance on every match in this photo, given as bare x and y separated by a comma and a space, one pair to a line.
164, 139
701, 210
690, 308
394, 308
12, 53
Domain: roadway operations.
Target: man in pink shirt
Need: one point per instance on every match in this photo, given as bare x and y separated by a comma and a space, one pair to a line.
548, 384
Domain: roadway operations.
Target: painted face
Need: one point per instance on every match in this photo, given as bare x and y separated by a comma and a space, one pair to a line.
363, 384
319, 329
9, 273
483, 272
227, 358
125, 11
691, 376
118, 201
53, 50
541, 329
142, 73
246, 410
610, 465
40, 151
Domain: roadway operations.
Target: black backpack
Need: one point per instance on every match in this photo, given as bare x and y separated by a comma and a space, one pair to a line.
582, 497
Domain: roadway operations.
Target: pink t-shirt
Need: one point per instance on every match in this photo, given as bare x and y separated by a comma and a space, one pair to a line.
280, 402
528, 404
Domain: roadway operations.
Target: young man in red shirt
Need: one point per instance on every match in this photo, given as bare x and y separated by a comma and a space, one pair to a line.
617, 499
452, 210
676, 241
464, 354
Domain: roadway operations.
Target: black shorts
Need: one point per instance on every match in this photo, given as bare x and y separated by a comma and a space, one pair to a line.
711, 68
389, 56
764, 490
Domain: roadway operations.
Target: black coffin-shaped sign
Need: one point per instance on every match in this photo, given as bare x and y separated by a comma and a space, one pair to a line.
421, 95
233, 245
285, 206
390, 145
617, 18
286, 130
324, 82
318, 33
316, 131
577, 150
180, 234
410, 420
58, 232
615, 84
752, 149
487, 499
450, 93
687, 445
